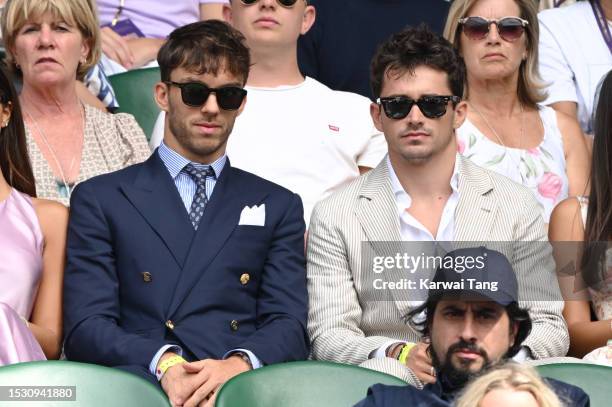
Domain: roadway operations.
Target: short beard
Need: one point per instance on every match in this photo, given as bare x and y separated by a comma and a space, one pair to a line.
458, 377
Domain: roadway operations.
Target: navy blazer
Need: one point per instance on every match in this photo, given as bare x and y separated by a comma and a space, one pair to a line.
432, 395
138, 275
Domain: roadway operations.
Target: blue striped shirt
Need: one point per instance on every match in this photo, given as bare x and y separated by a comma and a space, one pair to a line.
185, 185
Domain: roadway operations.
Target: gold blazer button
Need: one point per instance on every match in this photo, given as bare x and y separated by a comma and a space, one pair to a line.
170, 325
244, 279
234, 325
147, 277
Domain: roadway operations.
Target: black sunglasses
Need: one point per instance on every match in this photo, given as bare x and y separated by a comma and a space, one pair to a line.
398, 107
509, 28
195, 94
284, 3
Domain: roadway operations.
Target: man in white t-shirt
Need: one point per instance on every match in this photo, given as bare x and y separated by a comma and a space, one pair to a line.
574, 58
295, 131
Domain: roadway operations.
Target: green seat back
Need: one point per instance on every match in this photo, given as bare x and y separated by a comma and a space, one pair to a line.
595, 380
134, 91
96, 386
301, 384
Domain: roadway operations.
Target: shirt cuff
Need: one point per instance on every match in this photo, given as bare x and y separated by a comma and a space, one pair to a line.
255, 362
381, 352
523, 355
172, 348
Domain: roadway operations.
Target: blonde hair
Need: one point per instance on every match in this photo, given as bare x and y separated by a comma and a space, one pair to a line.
509, 376
530, 85
78, 13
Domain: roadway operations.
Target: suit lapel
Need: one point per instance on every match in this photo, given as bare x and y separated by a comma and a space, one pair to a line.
231, 194
476, 210
376, 208
377, 214
156, 198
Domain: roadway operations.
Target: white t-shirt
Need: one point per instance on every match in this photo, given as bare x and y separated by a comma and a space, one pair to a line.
573, 57
307, 138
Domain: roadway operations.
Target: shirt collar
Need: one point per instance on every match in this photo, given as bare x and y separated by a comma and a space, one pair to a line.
175, 162
403, 196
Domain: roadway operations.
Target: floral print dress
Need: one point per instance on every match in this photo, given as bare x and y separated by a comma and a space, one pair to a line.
541, 169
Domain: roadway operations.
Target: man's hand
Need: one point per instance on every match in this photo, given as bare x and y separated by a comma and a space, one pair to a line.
420, 363
178, 383
116, 47
214, 373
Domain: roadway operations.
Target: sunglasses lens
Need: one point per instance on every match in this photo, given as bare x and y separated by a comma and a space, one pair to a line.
397, 108
230, 98
194, 94
510, 29
284, 3
432, 106
476, 27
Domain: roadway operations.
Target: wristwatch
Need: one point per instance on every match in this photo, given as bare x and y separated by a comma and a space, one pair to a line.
244, 357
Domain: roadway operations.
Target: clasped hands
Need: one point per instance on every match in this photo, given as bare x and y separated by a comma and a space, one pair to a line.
195, 384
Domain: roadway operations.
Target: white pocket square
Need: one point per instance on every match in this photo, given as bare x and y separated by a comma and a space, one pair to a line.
253, 216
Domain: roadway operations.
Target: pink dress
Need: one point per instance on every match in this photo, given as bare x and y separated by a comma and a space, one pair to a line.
21, 248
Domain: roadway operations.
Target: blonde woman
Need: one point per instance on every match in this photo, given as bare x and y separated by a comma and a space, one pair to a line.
507, 129
511, 385
51, 44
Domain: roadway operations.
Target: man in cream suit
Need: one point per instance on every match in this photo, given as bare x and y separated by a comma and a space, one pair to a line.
423, 191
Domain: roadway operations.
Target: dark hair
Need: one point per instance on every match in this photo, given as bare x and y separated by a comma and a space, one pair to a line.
14, 159
598, 228
515, 314
414, 47
205, 47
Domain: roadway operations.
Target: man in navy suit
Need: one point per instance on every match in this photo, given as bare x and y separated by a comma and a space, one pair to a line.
184, 267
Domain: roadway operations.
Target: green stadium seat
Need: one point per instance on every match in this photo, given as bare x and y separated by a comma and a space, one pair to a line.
134, 91
96, 386
301, 384
595, 380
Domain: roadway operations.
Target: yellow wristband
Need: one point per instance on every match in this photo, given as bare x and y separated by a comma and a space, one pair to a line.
405, 352
167, 364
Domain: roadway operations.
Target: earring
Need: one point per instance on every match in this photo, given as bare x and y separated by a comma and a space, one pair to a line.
4, 123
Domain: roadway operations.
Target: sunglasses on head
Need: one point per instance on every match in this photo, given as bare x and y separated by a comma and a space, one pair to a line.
195, 94
284, 3
509, 28
398, 107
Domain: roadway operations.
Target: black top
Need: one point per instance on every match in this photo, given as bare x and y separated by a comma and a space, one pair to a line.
339, 47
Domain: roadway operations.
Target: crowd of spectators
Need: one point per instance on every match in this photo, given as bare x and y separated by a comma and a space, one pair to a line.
299, 143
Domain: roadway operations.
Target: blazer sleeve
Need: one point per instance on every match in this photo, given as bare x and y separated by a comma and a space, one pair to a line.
91, 291
334, 319
538, 285
282, 302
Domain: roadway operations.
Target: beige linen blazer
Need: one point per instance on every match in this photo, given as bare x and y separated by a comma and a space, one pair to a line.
346, 326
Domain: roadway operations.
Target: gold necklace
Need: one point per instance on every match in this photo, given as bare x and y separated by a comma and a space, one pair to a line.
52, 151
520, 143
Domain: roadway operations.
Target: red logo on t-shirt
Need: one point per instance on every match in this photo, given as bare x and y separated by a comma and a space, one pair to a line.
333, 128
